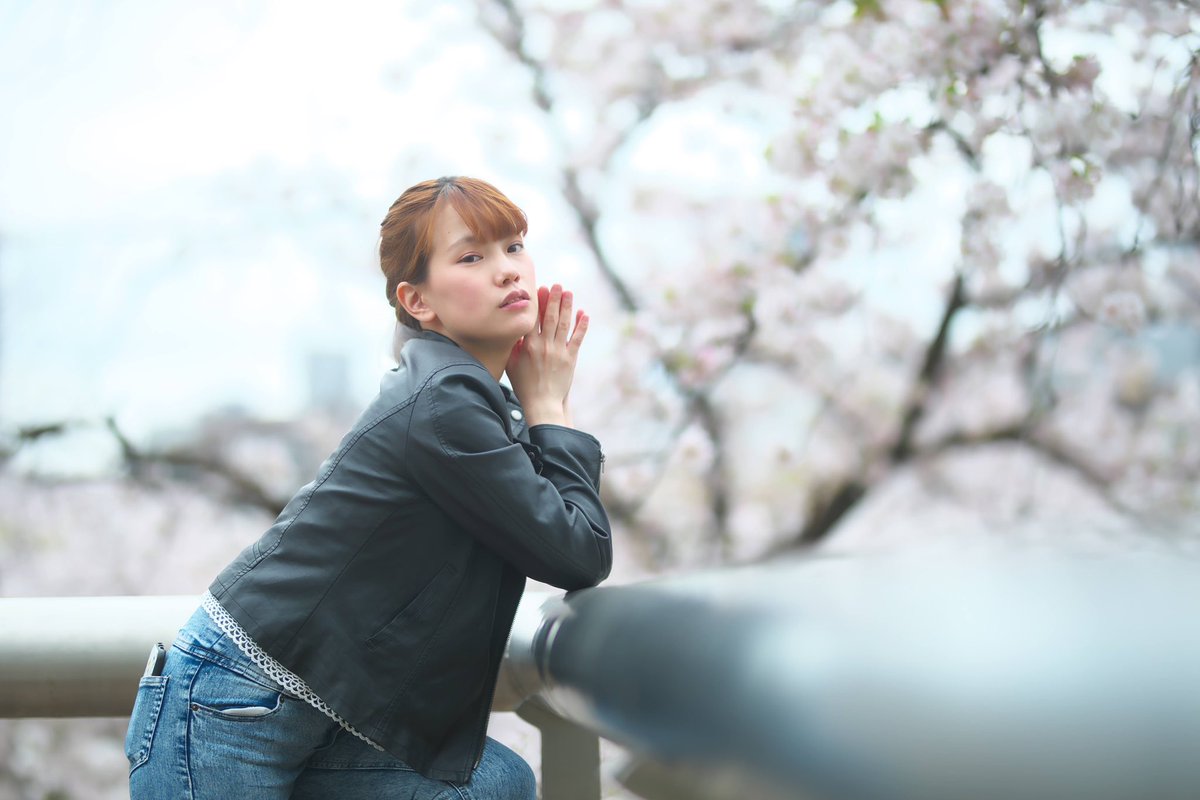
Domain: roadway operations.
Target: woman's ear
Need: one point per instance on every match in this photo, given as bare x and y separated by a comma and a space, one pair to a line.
410, 298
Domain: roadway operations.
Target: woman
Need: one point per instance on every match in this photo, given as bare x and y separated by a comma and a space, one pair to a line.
352, 650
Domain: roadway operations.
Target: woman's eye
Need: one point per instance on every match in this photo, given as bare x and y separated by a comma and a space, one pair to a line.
470, 259
516, 247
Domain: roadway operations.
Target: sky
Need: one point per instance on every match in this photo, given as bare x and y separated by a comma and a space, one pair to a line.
190, 194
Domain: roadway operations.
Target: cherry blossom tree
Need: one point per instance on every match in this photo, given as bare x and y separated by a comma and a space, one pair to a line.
916, 263
970, 227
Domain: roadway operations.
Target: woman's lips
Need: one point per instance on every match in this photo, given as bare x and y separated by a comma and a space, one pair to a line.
517, 299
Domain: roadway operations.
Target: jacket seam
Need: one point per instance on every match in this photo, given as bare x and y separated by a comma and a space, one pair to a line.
333, 581
341, 455
410, 400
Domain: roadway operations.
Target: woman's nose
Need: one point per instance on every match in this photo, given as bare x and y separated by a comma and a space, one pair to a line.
509, 274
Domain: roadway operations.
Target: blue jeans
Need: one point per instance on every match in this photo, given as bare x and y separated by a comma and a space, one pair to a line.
214, 726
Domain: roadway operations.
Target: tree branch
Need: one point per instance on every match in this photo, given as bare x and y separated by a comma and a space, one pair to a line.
1022, 432
960, 142
935, 355
587, 218
831, 506
240, 487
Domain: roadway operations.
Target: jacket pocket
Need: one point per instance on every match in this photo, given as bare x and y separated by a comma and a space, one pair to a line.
417, 619
144, 720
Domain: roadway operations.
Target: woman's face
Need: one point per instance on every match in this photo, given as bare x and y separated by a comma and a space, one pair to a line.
480, 294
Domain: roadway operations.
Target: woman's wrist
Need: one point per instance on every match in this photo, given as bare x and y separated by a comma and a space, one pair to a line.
547, 414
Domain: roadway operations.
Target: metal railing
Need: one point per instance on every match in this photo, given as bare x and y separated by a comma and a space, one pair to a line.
82, 657
986, 677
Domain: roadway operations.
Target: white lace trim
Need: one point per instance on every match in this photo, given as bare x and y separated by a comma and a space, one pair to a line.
290, 681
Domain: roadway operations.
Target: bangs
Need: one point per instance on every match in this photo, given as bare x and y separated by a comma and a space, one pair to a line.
487, 213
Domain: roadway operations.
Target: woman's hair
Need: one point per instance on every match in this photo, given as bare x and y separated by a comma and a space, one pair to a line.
406, 234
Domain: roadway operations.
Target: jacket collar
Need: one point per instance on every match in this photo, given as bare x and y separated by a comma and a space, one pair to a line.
433, 336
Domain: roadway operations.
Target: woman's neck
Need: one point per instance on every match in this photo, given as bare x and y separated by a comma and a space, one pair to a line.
493, 357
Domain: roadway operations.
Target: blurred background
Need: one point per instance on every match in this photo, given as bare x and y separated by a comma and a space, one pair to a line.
862, 274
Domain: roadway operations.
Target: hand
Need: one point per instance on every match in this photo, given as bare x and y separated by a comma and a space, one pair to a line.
541, 366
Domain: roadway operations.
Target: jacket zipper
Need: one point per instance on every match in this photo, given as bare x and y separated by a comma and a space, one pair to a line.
487, 708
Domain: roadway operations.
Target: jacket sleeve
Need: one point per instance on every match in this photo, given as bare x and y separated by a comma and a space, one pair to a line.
550, 526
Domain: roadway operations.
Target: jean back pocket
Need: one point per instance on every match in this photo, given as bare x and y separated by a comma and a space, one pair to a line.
144, 719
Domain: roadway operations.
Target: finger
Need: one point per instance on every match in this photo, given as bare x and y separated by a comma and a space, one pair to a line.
581, 329
550, 318
564, 317
543, 295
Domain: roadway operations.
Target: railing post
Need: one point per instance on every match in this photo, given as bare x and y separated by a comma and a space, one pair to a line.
570, 755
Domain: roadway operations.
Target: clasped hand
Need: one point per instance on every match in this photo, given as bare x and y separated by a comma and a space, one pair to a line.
541, 366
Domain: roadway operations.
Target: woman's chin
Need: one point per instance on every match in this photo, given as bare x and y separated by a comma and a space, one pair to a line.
526, 322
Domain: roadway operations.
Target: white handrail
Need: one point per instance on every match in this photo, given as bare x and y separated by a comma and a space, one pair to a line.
80, 656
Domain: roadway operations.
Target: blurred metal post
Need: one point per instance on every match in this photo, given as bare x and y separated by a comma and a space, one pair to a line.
570, 755
570, 752
993, 676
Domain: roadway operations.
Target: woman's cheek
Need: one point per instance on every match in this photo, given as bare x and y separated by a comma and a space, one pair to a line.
471, 297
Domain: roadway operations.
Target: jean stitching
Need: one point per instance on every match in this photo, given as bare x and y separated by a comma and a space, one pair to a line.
156, 687
349, 765
245, 669
187, 730
241, 719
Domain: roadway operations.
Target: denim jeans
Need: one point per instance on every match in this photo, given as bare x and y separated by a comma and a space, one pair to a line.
213, 726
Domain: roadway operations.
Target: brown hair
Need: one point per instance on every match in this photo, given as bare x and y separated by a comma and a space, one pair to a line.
406, 233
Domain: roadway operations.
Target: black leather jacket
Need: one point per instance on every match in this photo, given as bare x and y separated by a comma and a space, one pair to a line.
390, 582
